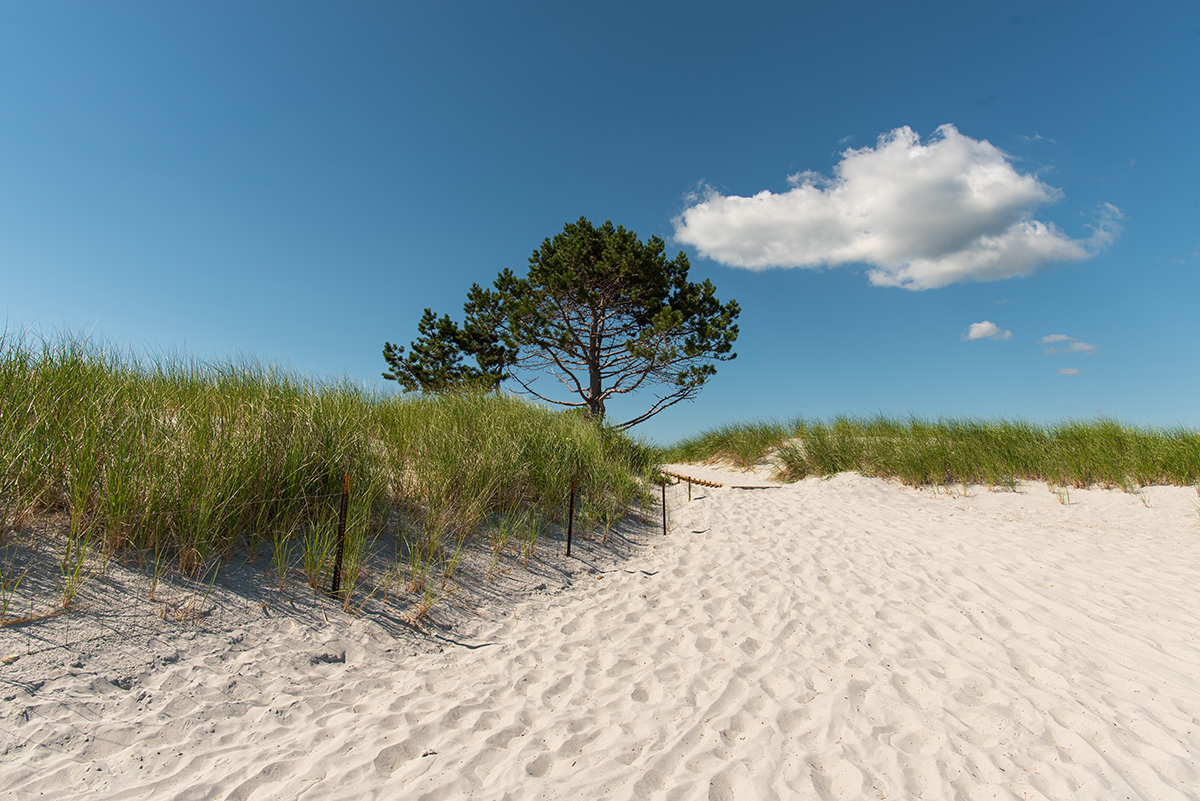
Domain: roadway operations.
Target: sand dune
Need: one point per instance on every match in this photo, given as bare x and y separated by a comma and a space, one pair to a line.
835, 639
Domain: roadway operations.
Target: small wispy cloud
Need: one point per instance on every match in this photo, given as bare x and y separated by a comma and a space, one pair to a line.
845, 139
920, 214
986, 330
1037, 137
1107, 228
1067, 371
1075, 345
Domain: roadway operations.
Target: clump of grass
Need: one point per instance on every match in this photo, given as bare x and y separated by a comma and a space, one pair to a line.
316, 551
427, 599
281, 556
533, 529
419, 556
72, 567
600, 514
191, 608
501, 528
158, 569
741, 444
993, 453
358, 544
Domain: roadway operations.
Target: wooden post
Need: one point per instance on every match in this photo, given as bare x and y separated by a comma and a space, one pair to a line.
664, 502
689, 490
571, 517
341, 548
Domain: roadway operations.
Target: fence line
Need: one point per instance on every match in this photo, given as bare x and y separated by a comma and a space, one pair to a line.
691, 480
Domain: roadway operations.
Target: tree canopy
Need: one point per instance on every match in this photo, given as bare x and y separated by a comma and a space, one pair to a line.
435, 359
600, 311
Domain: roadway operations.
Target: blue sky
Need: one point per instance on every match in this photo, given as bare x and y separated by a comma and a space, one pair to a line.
297, 181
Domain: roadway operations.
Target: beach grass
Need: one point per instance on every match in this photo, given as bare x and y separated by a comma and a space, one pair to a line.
996, 453
742, 444
174, 459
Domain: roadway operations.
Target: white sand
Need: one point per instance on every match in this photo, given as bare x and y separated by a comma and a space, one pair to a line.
846, 638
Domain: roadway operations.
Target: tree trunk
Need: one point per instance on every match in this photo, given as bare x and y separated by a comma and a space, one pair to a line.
595, 402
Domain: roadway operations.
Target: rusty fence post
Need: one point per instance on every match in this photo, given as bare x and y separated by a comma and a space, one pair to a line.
341, 546
571, 518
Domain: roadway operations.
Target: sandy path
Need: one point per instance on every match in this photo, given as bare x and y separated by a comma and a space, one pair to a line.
830, 639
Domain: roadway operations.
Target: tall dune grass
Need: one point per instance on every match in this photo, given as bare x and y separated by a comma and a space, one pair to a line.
186, 460
959, 451
742, 444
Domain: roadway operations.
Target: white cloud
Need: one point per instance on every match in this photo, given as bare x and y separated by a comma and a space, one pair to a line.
1067, 371
1075, 346
923, 215
1037, 137
986, 330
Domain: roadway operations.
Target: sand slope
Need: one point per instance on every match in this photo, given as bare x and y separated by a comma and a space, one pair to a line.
846, 638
